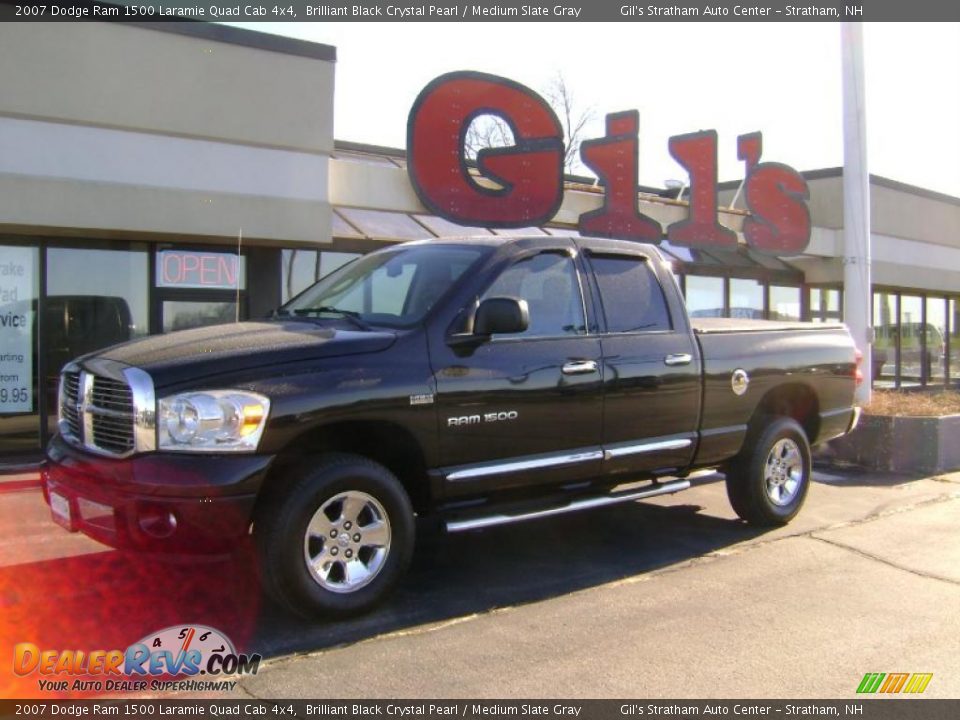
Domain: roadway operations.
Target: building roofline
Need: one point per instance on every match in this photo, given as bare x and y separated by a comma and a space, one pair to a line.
230, 35
913, 189
350, 146
879, 180
401, 154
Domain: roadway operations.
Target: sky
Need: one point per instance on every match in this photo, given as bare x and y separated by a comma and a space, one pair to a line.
783, 79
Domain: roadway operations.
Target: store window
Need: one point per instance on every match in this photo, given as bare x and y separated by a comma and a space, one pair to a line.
299, 271
186, 314
95, 298
302, 268
825, 305
784, 302
885, 339
936, 329
330, 261
20, 386
915, 360
704, 296
915, 342
953, 341
746, 299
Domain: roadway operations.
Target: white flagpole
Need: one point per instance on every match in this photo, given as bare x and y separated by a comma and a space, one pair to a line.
856, 203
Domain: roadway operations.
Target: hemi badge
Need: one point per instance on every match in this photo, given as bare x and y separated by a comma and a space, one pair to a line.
424, 399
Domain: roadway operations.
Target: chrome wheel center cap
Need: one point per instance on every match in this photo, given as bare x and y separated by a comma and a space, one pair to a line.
344, 540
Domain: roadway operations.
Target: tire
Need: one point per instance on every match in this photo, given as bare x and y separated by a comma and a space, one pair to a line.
337, 540
768, 481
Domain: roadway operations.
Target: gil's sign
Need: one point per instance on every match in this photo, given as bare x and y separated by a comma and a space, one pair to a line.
529, 174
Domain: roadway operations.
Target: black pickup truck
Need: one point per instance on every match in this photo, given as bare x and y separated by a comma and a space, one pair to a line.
477, 381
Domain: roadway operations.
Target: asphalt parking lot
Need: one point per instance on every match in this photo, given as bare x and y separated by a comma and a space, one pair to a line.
672, 597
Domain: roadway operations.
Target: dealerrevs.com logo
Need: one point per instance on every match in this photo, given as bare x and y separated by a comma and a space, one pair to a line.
172, 659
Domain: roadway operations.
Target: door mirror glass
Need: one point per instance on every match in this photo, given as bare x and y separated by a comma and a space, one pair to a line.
500, 316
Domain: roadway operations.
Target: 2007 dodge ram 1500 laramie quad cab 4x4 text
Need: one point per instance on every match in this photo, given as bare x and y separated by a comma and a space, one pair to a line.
480, 381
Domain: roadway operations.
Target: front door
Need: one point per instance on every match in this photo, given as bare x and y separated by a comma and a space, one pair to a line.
524, 408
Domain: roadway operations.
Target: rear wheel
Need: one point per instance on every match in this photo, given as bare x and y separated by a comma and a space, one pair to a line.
767, 482
338, 540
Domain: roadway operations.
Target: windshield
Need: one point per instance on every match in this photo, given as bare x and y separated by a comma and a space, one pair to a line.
391, 287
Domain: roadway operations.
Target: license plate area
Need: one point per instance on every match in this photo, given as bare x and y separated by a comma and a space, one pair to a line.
61, 510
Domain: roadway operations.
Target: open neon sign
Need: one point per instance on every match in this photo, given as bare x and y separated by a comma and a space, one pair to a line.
530, 172
201, 270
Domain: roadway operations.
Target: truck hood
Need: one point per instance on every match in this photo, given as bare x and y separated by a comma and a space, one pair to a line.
193, 354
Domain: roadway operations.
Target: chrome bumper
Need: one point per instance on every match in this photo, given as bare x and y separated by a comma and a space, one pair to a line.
854, 419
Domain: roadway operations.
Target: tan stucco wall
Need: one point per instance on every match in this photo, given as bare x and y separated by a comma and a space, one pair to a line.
261, 116
368, 185
907, 215
157, 214
140, 79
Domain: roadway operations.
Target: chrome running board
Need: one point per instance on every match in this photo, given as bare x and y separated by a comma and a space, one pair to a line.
475, 523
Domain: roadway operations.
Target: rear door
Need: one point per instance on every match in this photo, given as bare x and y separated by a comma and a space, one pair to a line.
524, 408
651, 363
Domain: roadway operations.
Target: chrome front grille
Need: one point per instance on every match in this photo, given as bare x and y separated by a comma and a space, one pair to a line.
108, 409
111, 411
70, 423
112, 395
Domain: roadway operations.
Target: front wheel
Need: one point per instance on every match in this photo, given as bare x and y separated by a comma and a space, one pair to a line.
767, 482
338, 540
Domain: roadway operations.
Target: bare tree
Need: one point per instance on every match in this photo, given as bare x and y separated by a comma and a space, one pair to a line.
488, 131
573, 119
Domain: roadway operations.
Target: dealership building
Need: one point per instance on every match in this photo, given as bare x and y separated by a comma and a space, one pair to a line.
162, 176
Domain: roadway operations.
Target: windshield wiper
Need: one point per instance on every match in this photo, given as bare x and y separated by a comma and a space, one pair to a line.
351, 315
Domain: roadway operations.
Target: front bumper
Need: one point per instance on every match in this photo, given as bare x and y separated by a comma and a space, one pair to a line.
161, 502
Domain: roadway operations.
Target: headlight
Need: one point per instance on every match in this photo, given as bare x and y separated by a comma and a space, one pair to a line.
212, 421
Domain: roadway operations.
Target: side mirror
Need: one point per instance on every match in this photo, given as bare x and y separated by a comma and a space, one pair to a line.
501, 315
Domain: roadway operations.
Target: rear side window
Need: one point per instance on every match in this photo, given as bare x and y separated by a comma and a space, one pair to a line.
631, 295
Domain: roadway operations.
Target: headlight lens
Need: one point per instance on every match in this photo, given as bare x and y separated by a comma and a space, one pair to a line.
212, 421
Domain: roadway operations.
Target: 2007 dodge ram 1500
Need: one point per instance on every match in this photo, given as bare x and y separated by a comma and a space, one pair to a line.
482, 381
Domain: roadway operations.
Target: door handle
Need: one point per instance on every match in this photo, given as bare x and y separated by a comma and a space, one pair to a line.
579, 367
678, 359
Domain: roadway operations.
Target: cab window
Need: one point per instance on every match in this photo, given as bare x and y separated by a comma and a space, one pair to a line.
630, 293
548, 282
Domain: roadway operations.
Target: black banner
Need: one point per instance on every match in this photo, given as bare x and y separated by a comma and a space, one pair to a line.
480, 11
894, 708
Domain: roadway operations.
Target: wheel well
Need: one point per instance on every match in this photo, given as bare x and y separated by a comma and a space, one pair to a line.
793, 400
389, 444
